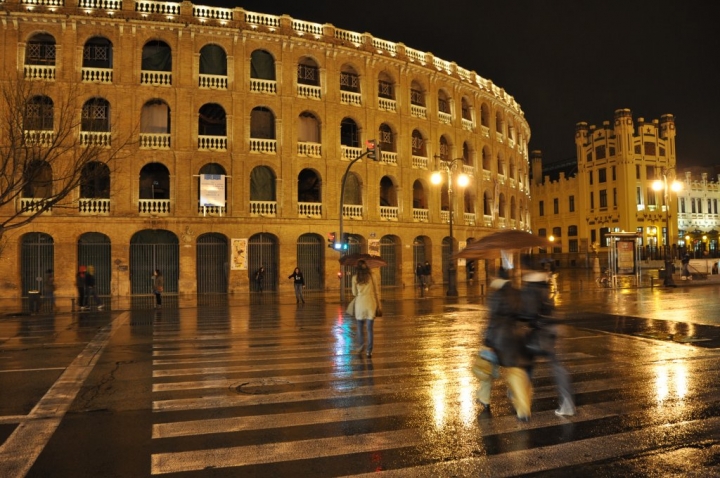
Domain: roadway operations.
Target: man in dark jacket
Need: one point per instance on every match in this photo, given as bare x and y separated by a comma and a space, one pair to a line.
504, 338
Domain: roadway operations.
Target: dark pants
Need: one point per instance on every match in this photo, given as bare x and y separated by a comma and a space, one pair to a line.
158, 297
82, 301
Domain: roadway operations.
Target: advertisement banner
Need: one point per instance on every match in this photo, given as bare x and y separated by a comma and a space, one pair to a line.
212, 190
239, 254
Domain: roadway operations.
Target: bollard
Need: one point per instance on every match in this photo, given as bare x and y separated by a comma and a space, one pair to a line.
72, 304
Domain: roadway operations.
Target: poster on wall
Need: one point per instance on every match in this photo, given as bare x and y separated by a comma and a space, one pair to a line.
212, 190
374, 247
626, 257
239, 254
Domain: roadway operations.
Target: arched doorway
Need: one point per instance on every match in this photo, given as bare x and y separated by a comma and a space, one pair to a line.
152, 249
390, 251
311, 260
263, 251
211, 257
421, 253
94, 250
37, 256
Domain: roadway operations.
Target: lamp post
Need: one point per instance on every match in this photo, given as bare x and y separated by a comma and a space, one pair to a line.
675, 186
449, 167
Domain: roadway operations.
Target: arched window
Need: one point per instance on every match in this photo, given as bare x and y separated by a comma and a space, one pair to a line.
97, 53
40, 50
95, 181
485, 115
213, 60
262, 123
503, 205
156, 56
386, 86
308, 128
96, 115
308, 72
486, 159
499, 123
349, 79
387, 141
154, 182
349, 134
419, 198
309, 186
388, 192
418, 144
443, 102
417, 95
262, 65
37, 180
155, 117
262, 184
444, 148
211, 120
466, 109
39, 114
208, 200
487, 203
513, 212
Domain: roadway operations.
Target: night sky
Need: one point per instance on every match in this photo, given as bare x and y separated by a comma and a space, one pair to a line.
564, 61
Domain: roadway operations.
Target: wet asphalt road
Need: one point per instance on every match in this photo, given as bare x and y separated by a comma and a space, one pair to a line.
270, 388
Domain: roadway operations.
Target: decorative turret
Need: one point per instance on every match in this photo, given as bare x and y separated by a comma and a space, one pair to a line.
536, 165
667, 126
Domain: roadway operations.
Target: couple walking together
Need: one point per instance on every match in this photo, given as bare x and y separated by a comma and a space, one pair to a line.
520, 330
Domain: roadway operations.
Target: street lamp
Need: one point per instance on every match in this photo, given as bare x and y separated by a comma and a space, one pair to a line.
675, 186
449, 167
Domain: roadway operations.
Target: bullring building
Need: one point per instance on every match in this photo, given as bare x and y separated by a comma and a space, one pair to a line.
235, 130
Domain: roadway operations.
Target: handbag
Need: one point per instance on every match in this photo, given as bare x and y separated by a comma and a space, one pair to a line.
351, 308
378, 309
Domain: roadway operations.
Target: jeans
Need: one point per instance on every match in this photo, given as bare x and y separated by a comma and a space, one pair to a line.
298, 292
361, 333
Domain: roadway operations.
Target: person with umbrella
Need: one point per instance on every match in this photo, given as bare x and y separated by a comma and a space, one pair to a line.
366, 306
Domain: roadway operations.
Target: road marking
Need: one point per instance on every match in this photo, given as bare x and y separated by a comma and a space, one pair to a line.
24, 445
32, 369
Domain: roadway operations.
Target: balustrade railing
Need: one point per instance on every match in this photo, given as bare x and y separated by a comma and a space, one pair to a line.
469, 218
310, 209
388, 213
445, 216
350, 98
421, 215
444, 117
264, 146
418, 111
348, 153
485, 131
352, 211
96, 75
40, 136
156, 78
387, 104
101, 4
388, 157
215, 82
29, 206
467, 124
263, 208
469, 170
499, 137
39, 72
263, 86
487, 221
94, 206
155, 207
212, 210
212, 143
214, 13
96, 138
304, 27
155, 140
309, 149
309, 91
419, 162
151, 6
262, 19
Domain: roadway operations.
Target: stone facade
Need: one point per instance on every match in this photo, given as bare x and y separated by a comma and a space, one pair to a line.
192, 86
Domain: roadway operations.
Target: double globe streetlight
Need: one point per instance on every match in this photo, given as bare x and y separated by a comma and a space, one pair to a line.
676, 186
449, 167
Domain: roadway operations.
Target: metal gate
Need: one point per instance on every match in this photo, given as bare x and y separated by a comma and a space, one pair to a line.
263, 251
37, 257
445, 258
150, 250
212, 264
388, 251
94, 250
420, 254
354, 246
310, 260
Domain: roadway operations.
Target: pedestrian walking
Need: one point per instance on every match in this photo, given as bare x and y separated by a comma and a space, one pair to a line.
420, 277
158, 287
504, 349
367, 306
49, 289
259, 278
299, 283
686, 275
537, 309
428, 275
80, 284
90, 290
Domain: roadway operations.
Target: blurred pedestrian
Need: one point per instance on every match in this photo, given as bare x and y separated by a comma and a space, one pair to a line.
504, 347
90, 290
537, 309
686, 275
367, 306
299, 283
420, 277
49, 289
80, 284
259, 278
428, 275
158, 287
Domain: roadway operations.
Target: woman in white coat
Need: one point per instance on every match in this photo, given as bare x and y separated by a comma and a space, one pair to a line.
366, 305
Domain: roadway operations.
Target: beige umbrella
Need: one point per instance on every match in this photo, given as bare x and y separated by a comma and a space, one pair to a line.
351, 260
508, 240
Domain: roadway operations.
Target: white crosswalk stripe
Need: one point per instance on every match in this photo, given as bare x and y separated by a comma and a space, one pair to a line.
298, 398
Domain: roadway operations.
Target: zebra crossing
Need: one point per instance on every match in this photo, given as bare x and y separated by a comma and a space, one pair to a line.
290, 398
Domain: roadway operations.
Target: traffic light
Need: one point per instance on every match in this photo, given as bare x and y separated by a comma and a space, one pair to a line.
345, 243
373, 150
331, 240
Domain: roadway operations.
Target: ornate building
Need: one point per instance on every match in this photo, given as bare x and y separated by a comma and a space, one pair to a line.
243, 126
617, 184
